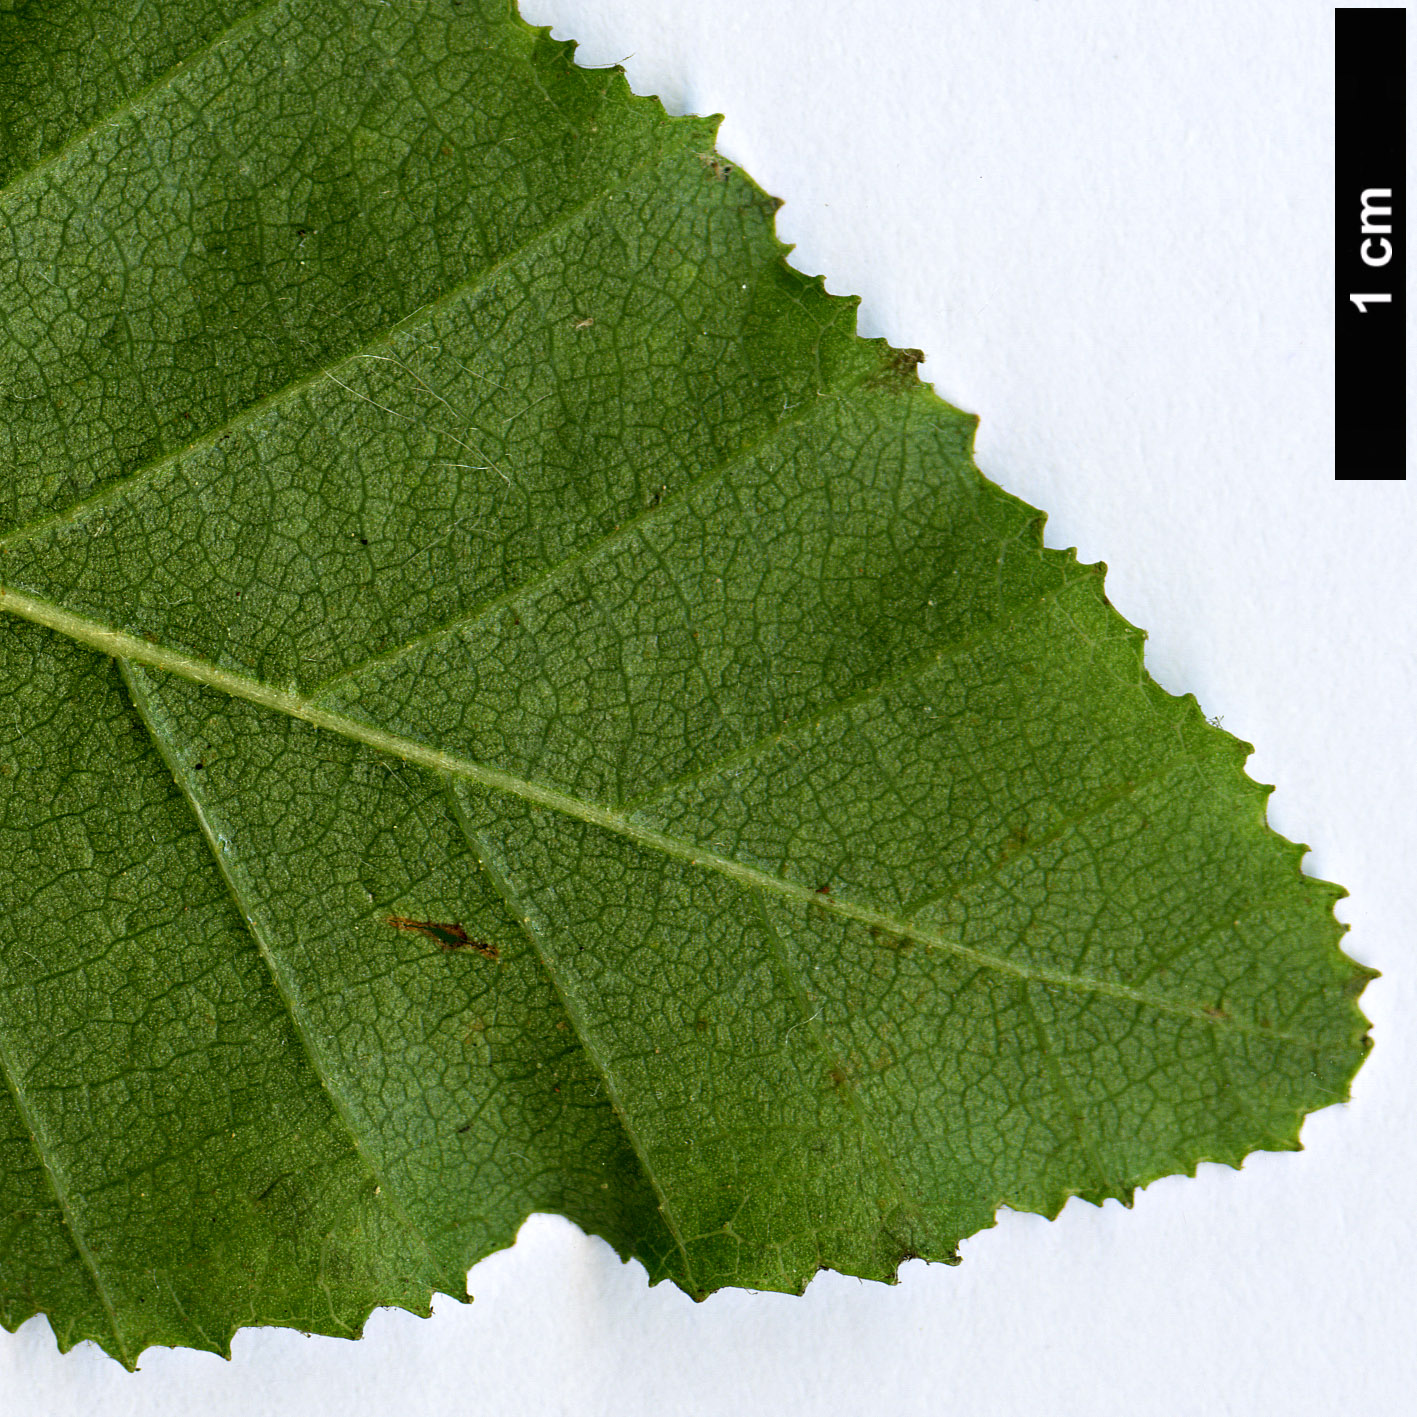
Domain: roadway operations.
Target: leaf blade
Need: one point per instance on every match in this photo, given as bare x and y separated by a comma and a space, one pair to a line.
750, 687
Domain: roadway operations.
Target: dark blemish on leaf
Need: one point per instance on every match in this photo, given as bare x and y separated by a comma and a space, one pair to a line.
898, 369
824, 890
906, 361
1016, 840
364, 541
270, 1188
449, 936
1214, 1013
197, 767
466, 1127
720, 169
700, 1025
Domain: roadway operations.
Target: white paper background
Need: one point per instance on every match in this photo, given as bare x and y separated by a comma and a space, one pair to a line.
1108, 224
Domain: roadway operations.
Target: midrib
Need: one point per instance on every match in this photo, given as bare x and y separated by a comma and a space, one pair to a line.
122, 645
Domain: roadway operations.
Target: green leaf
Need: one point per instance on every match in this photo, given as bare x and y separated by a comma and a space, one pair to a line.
507, 704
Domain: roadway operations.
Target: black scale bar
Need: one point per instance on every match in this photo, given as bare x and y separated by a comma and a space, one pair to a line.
1370, 150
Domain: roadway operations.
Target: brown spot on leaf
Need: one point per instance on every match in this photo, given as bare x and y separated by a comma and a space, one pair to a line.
1016, 840
450, 936
898, 369
716, 165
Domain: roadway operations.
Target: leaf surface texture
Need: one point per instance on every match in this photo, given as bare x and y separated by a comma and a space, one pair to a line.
430, 497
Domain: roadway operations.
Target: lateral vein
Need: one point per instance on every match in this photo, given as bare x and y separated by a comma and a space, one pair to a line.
134, 101
533, 929
622, 533
461, 290
230, 875
60, 1193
